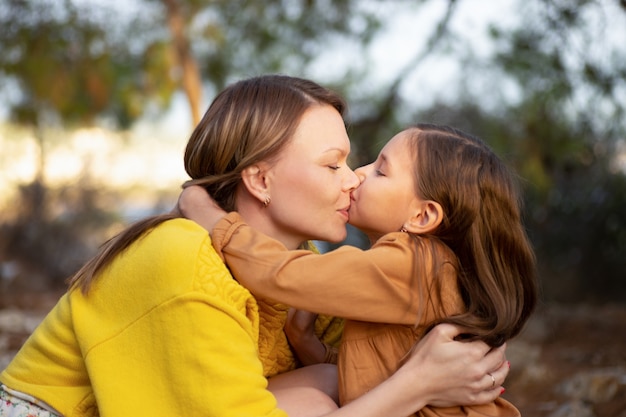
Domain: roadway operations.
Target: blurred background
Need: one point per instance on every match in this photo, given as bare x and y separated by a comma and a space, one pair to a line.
98, 98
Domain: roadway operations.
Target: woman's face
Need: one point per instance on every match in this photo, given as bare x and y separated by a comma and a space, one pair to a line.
386, 198
310, 184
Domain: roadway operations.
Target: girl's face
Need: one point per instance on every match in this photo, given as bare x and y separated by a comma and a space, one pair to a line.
310, 184
386, 198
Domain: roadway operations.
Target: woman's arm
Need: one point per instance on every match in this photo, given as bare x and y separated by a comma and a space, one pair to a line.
440, 372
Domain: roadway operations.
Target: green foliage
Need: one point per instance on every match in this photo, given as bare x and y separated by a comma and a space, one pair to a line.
74, 63
580, 236
562, 134
66, 61
575, 200
560, 131
235, 39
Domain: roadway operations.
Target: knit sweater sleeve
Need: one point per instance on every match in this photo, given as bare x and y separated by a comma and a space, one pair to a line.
194, 352
377, 285
213, 372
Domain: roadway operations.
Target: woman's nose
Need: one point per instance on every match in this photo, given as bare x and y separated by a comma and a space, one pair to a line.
352, 180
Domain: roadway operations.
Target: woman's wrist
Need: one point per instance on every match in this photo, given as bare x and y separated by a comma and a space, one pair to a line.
398, 396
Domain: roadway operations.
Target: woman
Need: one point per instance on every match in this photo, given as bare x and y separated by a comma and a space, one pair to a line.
155, 324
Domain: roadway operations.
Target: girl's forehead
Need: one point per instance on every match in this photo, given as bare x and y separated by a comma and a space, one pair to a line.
400, 140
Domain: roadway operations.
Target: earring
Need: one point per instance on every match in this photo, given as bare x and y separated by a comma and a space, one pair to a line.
267, 200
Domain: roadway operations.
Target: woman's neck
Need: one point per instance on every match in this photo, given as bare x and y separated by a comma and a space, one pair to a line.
256, 216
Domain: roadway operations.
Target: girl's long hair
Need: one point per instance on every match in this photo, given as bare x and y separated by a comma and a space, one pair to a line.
482, 225
250, 121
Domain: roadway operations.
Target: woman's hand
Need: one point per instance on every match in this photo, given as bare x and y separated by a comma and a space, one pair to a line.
457, 373
440, 372
196, 204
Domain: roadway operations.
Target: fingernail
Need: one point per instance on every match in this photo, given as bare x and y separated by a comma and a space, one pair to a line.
502, 391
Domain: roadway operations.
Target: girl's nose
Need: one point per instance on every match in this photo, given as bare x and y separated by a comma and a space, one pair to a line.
361, 173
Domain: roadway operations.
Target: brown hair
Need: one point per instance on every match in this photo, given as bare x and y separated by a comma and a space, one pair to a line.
250, 121
482, 225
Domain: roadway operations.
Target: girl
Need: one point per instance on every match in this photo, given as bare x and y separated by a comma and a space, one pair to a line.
155, 325
443, 215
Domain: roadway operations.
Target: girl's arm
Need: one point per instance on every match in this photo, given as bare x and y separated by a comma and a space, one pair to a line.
376, 285
440, 372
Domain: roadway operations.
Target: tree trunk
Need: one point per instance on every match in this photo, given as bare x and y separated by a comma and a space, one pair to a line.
191, 80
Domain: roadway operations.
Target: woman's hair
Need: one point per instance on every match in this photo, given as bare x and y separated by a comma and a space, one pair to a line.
250, 121
482, 225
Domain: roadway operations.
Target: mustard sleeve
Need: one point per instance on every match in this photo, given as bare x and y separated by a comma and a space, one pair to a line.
378, 285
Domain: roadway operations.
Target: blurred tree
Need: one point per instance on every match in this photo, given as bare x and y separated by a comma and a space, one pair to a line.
222, 40
563, 130
566, 130
74, 63
550, 103
376, 111
68, 66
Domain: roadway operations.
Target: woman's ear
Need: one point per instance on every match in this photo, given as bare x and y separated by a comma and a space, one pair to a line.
254, 179
427, 218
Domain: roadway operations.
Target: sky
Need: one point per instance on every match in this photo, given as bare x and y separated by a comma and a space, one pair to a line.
403, 38
408, 29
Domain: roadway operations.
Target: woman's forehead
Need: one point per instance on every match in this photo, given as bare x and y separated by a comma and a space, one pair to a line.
322, 127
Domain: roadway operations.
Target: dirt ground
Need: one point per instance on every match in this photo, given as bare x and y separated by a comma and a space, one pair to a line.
570, 361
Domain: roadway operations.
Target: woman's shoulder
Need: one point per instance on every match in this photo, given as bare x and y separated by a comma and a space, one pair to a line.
179, 227
179, 253
210, 274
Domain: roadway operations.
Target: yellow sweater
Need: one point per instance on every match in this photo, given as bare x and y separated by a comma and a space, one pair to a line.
164, 331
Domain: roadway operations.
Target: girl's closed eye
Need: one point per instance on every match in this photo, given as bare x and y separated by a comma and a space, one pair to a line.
334, 167
380, 173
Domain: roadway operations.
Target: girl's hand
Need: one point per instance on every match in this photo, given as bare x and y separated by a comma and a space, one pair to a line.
196, 204
300, 331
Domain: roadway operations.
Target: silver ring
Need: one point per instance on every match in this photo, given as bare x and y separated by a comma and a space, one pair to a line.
493, 380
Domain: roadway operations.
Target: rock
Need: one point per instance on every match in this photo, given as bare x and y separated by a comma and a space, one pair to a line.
17, 321
596, 386
574, 409
526, 364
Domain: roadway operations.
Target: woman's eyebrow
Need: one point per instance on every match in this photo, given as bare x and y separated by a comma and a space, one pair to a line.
335, 149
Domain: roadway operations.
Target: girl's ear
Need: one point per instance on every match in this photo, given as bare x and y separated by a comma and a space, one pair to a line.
427, 218
254, 179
